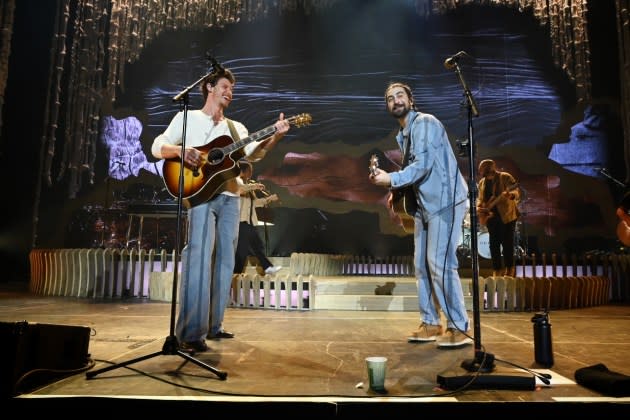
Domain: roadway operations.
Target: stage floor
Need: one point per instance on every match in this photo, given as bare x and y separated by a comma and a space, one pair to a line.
314, 358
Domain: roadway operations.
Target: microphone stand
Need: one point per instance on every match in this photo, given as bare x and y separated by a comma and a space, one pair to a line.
482, 362
605, 173
171, 345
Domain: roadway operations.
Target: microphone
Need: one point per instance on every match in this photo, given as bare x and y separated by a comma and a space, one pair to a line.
451, 61
216, 66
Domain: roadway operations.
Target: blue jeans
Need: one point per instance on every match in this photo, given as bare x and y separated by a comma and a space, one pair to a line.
436, 265
207, 265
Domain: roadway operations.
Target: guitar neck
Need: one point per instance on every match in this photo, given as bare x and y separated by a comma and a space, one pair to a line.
297, 120
496, 199
265, 132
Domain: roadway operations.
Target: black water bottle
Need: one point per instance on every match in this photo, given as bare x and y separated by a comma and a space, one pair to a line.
542, 340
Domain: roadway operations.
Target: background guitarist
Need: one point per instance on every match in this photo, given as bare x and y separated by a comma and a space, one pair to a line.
623, 226
249, 241
441, 195
212, 225
499, 188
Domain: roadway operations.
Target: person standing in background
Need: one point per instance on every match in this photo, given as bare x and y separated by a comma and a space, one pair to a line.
249, 241
497, 207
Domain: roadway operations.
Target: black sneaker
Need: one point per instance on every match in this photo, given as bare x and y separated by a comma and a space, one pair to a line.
221, 334
194, 346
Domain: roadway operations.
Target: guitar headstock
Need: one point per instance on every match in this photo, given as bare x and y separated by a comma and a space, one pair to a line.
373, 164
301, 120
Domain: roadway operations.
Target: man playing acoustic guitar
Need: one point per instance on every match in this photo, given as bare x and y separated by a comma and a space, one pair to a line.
441, 194
498, 211
212, 224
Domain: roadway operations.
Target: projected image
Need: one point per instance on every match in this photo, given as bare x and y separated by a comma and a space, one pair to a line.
320, 171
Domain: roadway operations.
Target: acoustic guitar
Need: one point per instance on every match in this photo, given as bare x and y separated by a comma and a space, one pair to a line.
403, 201
623, 227
485, 212
218, 164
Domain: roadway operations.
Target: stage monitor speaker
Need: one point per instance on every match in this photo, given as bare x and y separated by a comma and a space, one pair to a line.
34, 354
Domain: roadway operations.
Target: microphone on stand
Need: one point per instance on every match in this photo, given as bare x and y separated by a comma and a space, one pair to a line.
451, 61
216, 66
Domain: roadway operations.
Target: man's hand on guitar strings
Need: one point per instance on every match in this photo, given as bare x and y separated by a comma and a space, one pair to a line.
191, 157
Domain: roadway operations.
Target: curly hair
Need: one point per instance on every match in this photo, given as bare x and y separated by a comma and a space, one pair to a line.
213, 78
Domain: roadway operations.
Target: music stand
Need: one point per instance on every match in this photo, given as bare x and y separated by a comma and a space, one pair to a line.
171, 344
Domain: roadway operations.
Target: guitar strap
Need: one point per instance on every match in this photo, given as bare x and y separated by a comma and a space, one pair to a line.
251, 197
405, 160
233, 132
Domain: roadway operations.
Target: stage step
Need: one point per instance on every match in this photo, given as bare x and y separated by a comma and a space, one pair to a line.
370, 293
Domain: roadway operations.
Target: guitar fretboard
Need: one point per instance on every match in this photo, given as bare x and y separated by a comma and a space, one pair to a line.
265, 132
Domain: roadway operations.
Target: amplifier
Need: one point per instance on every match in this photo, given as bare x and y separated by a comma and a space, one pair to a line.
34, 354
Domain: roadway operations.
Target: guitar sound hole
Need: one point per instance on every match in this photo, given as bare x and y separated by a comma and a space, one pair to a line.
215, 156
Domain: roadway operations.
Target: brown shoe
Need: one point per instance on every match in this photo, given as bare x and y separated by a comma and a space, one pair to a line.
453, 338
425, 332
220, 334
198, 346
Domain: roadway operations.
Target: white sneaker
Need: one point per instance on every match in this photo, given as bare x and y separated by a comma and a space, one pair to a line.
271, 270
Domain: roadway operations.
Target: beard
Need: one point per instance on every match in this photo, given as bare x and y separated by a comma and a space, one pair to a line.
400, 111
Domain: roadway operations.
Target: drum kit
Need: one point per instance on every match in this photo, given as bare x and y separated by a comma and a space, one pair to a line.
95, 226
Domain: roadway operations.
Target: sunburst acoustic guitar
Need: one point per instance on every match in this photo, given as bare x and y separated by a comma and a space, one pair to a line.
219, 160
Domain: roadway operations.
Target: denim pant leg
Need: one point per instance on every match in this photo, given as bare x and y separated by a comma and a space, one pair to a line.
442, 236
426, 300
228, 215
194, 288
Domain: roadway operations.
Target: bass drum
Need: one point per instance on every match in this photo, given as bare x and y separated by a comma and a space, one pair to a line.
483, 245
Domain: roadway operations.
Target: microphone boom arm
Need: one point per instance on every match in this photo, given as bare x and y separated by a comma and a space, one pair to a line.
469, 97
605, 173
181, 95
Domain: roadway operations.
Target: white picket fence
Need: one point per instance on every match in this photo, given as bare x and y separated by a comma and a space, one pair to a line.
119, 274
124, 274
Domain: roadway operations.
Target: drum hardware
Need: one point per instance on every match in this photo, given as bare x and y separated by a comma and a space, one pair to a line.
483, 247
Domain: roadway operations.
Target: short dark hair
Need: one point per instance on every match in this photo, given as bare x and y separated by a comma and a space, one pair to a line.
213, 78
244, 164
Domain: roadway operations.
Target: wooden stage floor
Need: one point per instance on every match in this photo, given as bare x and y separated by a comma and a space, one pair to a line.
312, 362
